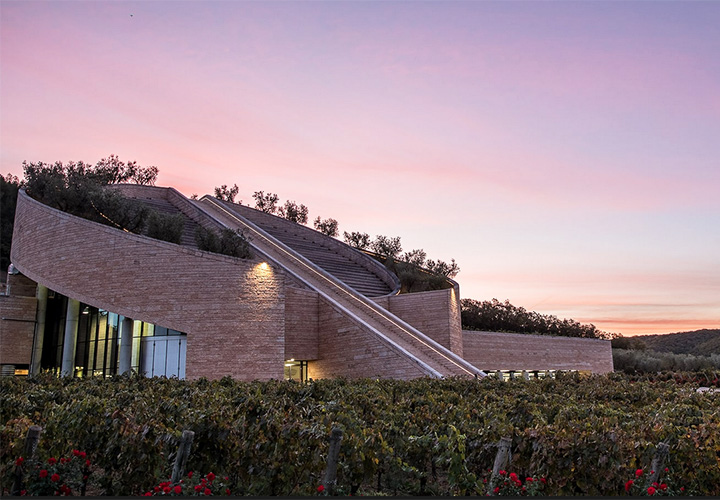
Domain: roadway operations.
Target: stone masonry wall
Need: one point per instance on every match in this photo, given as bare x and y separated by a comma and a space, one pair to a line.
514, 351
301, 324
17, 328
231, 309
435, 313
347, 350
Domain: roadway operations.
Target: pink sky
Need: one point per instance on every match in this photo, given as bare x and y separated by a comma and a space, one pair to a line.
566, 154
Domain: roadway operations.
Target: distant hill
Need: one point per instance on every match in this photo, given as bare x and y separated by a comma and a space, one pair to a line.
699, 343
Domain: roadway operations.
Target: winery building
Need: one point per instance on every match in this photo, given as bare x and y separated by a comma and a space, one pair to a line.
86, 299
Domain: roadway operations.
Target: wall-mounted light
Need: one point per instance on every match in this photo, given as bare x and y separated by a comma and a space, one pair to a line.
264, 265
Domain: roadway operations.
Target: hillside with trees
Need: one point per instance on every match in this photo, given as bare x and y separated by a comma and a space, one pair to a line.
699, 342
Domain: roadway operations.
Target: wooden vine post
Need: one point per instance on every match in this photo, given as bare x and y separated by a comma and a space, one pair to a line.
330, 479
658, 461
31, 442
182, 455
502, 460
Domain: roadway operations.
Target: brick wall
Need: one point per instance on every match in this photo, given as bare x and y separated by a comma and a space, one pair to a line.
17, 328
231, 309
20, 286
348, 350
301, 324
435, 313
513, 351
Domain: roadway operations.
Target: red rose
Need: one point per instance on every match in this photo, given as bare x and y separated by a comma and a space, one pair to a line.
543, 480
83, 454
513, 476
496, 490
321, 488
651, 490
76, 453
87, 463
166, 489
19, 461
663, 486
190, 474
55, 478
628, 485
156, 489
656, 485
227, 491
52, 461
682, 488
43, 473
502, 472
198, 488
210, 477
178, 489
638, 473
528, 480
207, 492
667, 470
148, 494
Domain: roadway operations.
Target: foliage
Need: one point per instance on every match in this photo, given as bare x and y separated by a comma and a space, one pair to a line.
586, 435
266, 202
192, 485
227, 194
9, 186
440, 268
328, 227
699, 342
634, 361
65, 476
227, 242
82, 189
510, 484
294, 212
357, 240
642, 484
634, 343
503, 316
166, 227
387, 247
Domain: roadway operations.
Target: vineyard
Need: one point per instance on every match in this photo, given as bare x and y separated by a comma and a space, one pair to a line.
580, 435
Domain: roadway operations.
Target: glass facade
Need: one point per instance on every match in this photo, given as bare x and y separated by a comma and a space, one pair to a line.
156, 351
296, 370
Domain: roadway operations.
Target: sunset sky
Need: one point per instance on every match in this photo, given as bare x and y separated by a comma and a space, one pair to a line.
566, 154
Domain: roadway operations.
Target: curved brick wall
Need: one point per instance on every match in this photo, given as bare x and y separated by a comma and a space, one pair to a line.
239, 303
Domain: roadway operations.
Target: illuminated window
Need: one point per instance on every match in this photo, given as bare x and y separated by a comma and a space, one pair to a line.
296, 370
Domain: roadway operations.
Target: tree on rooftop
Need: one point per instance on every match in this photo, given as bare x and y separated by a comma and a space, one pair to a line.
327, 226
294, 212
227, 194
9, 186
386, 246
357, 240
266, 202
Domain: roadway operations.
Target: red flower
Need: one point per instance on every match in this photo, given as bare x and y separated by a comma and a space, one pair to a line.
528, 480
207, 492
156, 489
198, 488
513, 476
190, 474
663, 486
656, 485
210, 477
76, 453
166, 489
52, 461
496, 490
543, 480
83, 454
628, 485
178, 489
682, 488
638, 473
651, 490
43, 473
321, 488
87, 463
55, 478
667, 470
147, 494
502, 472
19, 461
